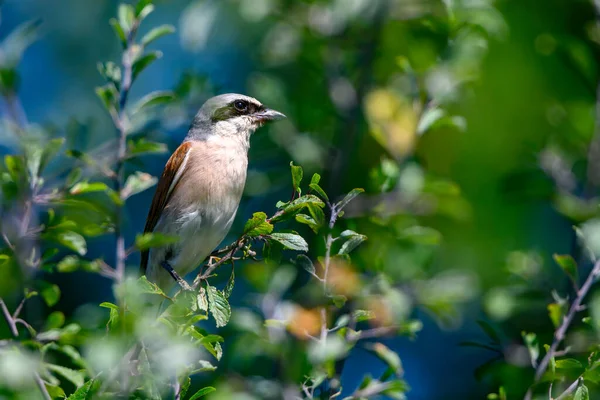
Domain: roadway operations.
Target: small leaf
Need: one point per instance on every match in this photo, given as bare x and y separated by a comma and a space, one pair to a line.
532, 344
294, 207
141, 63
218, 306
153, 99
202, 392
353, 240
87, 187
55, 320
143, 146
555, 311
137, 183
73, 241
118, 32
305, 263
50, 293
568, 363
150, 240
146, 10
111, 72
68, 264
290, 241
150, 287
257, 225
388, 356
429, 117
314, 185
582, 393
308, 220
569, 266
339, 300
229, 288
297, 174
126, 17
202, 300
75, 377
50, 150
156, 33
84, 392
108, 96
349, 197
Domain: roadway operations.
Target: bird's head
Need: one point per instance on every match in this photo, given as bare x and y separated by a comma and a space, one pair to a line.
231, 115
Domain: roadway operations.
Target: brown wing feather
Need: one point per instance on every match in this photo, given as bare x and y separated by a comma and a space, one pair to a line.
162, 195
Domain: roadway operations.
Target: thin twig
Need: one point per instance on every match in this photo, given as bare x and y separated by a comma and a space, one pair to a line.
570, 389
560, 333
371, 390
12, 324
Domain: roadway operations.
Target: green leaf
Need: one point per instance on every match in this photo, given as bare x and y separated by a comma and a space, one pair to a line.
108, 96
353, 240
349, 197
363, 315
118, 32
87, 187
294, 207
72, 240
85, 392
555, 311
290, 241
150, 240
297, 174
202, 392
55, 320
257, 225
140, 5
568, 363
68, 264
388, 356
114, 314
111, 72
141, 63
229, 288
126, 17
55, 392
50, 293
308, 220
77, 378
145, 10
157, 98
15, 44
143, 146
582, 393
305, 263
184, 387
430, 116
339, 300
218, 306
156, 33
149, 287
137, 183
532, 344
314, 185
569, 266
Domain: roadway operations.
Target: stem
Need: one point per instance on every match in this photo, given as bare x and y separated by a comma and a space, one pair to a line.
12, 324
560, 333
121, 125
329, 242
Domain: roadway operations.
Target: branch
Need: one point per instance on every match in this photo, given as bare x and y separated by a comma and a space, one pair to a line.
212, 267
570, 389
121, 125
12, 324
560, 333
371, 390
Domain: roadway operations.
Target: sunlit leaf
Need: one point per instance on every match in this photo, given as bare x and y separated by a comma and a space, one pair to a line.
137, 183
157, 33
151, 100
305, 263
144, 61
290, 241
218, 306
352, 241
50, 293
291, 209
202, 392
314, 185
569, 266
297, 174
258, 225
126, 17
142, 146
348, 198
568, 363
85, 392
77, 378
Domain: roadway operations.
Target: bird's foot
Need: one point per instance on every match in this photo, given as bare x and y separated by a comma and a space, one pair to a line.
184, 285
213, 259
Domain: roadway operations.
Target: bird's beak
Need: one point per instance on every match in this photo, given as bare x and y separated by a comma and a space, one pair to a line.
269, 115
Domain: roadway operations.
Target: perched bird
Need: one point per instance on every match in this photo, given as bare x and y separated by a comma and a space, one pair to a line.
200, 189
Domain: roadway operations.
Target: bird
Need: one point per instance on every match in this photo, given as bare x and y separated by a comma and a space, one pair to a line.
200, 188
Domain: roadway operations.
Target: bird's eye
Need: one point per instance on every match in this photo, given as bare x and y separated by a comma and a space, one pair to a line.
241, 105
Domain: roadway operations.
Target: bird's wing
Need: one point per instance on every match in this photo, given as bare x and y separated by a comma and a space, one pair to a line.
167, 183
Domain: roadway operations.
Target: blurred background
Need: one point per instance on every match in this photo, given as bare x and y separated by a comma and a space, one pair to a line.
470, 124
